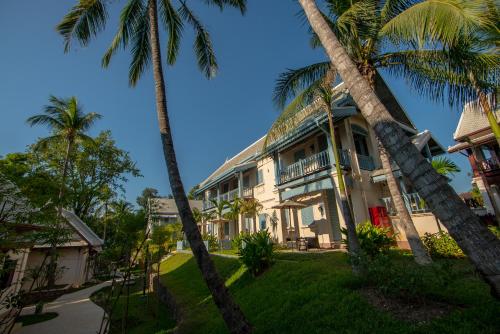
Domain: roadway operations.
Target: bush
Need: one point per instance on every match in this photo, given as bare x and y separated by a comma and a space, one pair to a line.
442, 245
373, 240
236, 242
495, 230
257, 252
213, 242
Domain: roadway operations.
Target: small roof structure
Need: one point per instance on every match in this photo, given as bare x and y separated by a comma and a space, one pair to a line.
82, 229
289, 204
161, 206
472, 121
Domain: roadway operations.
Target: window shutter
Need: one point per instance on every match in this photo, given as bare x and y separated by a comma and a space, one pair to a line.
307, 215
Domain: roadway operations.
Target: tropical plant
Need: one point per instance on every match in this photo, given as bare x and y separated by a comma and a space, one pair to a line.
213, 242
138, 28
234, 210
474, 238
68, 124
257, 252
445, 166
373, 240
441, 245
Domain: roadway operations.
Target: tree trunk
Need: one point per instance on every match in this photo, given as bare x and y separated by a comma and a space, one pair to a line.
481, 246
232, 314
417, 247
352, 238
52, 266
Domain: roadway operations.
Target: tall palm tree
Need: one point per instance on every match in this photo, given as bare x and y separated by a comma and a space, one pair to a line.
251, 208
234, 211
319, 98
68, 124
138, 27
445, 166
481, 246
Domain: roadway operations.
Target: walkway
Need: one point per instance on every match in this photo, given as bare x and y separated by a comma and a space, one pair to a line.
77, 314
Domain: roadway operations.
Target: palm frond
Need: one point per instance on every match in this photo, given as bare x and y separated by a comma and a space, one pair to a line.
239, 4
173, 24
442, 21
305, 104
129, 17
392, 8
52, 122
203, 49
84, 21
141, 49
293, 81
445, 166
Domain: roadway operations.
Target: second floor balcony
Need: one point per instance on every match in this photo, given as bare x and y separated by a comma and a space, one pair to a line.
229, 196
312, 164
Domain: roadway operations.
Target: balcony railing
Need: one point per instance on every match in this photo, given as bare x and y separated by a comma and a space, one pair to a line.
312, 164
413, 202
247, 192
229, 196
366, 162
490, 164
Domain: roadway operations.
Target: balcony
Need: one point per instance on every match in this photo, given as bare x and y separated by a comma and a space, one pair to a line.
311, 164
490, 164
414, 203
365, 162
247, 192
229, 197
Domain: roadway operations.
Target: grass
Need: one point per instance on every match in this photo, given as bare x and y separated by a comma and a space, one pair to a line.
232, 251
145, 314
31, 319
314, 293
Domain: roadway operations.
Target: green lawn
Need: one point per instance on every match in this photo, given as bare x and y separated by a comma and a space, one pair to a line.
314, 293
145, 315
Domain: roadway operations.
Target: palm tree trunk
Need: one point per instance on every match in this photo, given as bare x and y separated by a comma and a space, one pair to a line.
481, 246
352, 238
417, 247
232, 314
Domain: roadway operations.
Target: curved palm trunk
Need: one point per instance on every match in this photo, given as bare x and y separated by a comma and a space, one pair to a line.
417, 247
481, 246
352, 238
232, 314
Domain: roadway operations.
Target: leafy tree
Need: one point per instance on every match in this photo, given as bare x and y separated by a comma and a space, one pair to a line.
138, 28
474, 238
146, 194
192, 193
68, 124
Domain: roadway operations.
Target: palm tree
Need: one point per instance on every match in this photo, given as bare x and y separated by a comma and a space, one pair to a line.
250, 208
139, 26
234, 211
481, 246
320, 97
68, 124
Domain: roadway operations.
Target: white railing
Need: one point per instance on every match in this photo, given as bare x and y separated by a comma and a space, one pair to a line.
229, 196
413, 202
305, 166
247, 192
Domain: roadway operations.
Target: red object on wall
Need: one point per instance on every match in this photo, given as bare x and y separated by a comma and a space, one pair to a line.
379, 216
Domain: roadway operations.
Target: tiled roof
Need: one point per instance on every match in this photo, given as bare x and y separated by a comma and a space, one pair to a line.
164, 206
472, 120
244, 156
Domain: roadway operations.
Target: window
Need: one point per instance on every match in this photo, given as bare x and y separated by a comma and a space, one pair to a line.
299, 155
225, 188
287, 218
7, 273
322, 143
248, 223
226, 228
262, 222
307, 215
246, 181
259, 176
359, 136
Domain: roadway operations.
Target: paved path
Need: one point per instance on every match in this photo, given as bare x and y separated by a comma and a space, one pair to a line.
77, 314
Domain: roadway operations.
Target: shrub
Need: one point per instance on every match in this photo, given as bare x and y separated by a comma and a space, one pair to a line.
495, 230
213, 242
441, 245
236, 242
257, 252
373, 240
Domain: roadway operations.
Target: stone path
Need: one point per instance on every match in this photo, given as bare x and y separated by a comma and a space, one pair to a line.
77, 314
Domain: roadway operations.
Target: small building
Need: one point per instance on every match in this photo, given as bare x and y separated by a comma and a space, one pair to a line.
76, 257
163, 210
476, 141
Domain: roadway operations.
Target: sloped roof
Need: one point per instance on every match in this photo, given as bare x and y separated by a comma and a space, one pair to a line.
82, 229
472, 120
163, 205
13, 204
239, 159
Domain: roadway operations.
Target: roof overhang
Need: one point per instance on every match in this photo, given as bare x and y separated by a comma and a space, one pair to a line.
476, 141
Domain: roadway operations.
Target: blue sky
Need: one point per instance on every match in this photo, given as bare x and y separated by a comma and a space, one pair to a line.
211, 120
